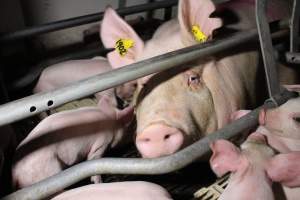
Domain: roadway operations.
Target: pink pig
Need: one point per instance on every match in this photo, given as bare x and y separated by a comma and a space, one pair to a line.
117, 191
174, 111
64, 73
283, 125
253, 168
66, 138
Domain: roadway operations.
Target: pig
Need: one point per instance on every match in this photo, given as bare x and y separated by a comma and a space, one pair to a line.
173, 111
253, 168
282, 130
61, 74
283, 126
135, 190
64, 73
66, 138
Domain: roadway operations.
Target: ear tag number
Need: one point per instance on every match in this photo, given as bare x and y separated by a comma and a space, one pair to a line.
198, 34
122, 46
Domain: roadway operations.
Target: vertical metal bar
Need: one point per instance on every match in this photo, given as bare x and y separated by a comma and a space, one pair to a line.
267, 48
168, 14
3, 91
122, 4
150, 13
294, 55
294, 27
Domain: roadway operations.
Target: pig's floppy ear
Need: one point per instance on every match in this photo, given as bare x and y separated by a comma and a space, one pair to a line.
225, 158
285, 168
126, 115
195, 23
114, 29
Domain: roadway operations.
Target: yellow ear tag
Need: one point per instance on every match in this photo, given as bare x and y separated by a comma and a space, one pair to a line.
198, 34
122, 46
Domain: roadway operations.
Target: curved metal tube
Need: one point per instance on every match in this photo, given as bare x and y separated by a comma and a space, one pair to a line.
162, 165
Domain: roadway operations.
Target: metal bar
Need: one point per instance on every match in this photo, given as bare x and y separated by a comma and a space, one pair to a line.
294, 27
163, 165
31, 105
267, 48
294, 55
77, 21
122, 3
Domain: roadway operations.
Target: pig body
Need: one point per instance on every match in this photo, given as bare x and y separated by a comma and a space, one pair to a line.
66, 138
117, 191
253, 168
68, 72
175, 110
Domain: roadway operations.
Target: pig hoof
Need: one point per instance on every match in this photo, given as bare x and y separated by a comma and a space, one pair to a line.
96, 179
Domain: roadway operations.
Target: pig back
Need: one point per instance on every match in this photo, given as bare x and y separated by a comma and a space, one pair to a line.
117, 191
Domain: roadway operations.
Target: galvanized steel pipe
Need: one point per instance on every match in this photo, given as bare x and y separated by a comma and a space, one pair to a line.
162, 165
34, 104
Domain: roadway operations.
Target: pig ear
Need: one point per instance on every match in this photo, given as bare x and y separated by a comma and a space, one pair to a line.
126, 115
226, 157
106, 105
114, 28
238, 114
285, 168
196, 13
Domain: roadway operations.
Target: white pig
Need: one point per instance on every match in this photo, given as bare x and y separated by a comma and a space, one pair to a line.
283, 126
117, 191
64, 73
66, 138
174, 111
253, 168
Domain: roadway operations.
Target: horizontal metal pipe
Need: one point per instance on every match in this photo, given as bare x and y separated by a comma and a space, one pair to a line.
77, 21
34, 104
162, 165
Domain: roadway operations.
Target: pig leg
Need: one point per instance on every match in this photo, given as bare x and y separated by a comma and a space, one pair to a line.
96, 154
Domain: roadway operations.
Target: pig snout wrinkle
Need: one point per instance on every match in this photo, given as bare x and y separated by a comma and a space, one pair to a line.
159, 140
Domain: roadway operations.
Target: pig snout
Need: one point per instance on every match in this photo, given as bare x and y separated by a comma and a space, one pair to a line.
159, 140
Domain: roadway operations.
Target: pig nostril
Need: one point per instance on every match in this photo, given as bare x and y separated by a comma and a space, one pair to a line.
167, 136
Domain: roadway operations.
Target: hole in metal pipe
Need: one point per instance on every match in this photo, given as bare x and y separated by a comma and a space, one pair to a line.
32, 109
50, 103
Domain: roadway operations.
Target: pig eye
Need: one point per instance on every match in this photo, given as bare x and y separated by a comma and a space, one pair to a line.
194, 79
297, 119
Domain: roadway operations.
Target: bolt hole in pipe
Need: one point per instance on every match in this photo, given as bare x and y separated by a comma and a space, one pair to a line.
50, 103
32, 109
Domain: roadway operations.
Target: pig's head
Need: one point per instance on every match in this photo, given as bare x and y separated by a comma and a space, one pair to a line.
284, 120
254, 153
172, 109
